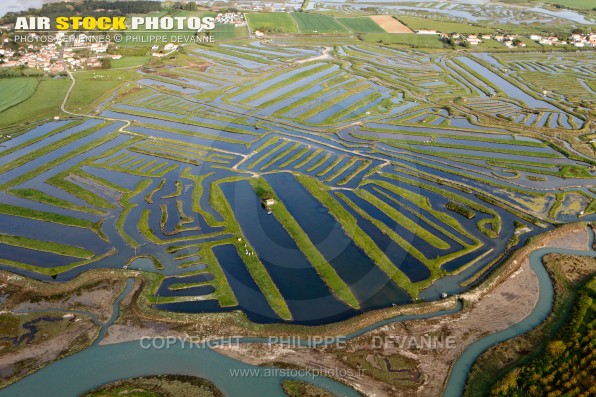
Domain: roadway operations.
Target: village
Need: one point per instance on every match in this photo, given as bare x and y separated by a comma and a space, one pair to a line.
55, 53
514, 41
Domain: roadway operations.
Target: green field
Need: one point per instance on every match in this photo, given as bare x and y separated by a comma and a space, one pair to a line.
129, 62
361, 25
272, 22
93, 85
46, 101
228, 31
411, 39
315, 23
579, 4
416, 23
488, 26
491, 43
16, 90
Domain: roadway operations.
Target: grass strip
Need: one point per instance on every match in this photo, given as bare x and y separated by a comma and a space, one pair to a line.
41, 197
128, 207
403, 220
253, 264
45, 246
281, 155
495, 221
307, 159
223, 292
360, 238
358, 170
41, 137
59, 181
49, 148
197, 193
331, 166
295, 157
176, 193
98, 180
323, 268
149, 196
23, 212
319, 163
350, 163
57, 161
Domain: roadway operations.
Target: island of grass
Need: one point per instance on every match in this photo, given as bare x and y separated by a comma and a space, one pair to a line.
158, 386
327, 273
300, 388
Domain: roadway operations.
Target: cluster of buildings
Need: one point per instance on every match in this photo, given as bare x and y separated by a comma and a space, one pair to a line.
167, 50
256, 5
475, 39
576, 39
46, 58
54, 53
235, 18
513, 41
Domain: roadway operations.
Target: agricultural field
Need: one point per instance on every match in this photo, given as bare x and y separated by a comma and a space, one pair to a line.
277, 22
577, 4
45, 99
417, 169
407, 39
316, 23
361, 25
15, 91
416, 23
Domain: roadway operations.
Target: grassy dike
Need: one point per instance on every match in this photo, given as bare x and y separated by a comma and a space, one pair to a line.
56, 162
495, 221
145, 229
176, 193
46, 150
149, 196
253, 264
41, 197
223, 292
403, 220
318, 261
45, 246
59, 181
100, 181
29, 213
127, 208
197, 193
423, 202
361, 239
69, 125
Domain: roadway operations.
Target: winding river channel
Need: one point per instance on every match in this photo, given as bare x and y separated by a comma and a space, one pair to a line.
101, 364
459, 372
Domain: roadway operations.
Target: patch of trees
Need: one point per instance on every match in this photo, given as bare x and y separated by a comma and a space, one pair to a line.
567, 367
460, 209
270, 29
188, 6
19, 71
